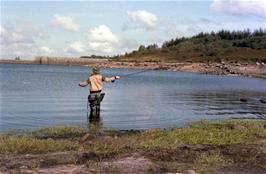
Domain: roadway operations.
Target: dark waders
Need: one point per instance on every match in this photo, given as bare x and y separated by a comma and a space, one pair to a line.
93, 115
94, 101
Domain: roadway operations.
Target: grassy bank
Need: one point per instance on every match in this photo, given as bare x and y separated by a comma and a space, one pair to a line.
203, 146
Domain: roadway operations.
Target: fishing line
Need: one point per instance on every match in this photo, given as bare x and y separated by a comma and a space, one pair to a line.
139, 72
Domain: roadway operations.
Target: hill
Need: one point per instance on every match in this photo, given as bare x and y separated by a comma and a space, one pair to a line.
235, 46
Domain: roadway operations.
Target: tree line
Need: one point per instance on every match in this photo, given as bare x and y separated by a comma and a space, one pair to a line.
243, 38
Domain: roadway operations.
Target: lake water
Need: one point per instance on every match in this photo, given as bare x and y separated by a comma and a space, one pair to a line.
35, 96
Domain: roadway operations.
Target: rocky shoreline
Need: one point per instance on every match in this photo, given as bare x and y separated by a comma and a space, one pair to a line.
230, 69
257, 69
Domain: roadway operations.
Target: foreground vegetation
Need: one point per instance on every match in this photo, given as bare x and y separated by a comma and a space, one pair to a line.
203, 146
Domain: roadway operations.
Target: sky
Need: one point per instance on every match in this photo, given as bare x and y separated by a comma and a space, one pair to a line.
79, 28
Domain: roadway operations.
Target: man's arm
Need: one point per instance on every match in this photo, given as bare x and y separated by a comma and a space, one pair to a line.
110, 79
84, 83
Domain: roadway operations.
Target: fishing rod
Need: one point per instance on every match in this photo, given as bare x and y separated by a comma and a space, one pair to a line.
139, 72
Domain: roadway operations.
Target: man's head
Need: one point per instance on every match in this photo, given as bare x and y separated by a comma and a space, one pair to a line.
96, 70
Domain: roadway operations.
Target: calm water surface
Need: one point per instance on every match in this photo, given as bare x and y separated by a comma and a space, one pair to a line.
34, 96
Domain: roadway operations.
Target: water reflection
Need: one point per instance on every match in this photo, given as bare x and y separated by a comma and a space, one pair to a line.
95, 126
225, 103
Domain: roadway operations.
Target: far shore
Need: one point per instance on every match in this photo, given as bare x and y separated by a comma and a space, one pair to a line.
256, 69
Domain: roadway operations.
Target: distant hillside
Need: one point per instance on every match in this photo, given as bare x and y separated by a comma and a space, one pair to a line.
243, 46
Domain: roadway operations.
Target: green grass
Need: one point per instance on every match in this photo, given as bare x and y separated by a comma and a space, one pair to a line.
213, 159
60, 132
67, 138
28, 144
204, 132
208, 162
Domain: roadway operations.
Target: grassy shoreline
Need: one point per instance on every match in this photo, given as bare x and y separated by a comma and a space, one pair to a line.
206, 147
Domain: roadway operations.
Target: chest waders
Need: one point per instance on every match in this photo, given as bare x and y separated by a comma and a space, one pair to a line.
94, 101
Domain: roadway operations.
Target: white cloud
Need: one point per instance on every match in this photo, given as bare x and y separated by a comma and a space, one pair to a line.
238, 7
23, 42
2, 31
105, 48
101, 47
102, 34
65, 22
76, 47
11, 36
45, 50
16, 41
102, 39
144, 18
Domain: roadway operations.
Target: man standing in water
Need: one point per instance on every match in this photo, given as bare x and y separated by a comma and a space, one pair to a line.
95, 81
